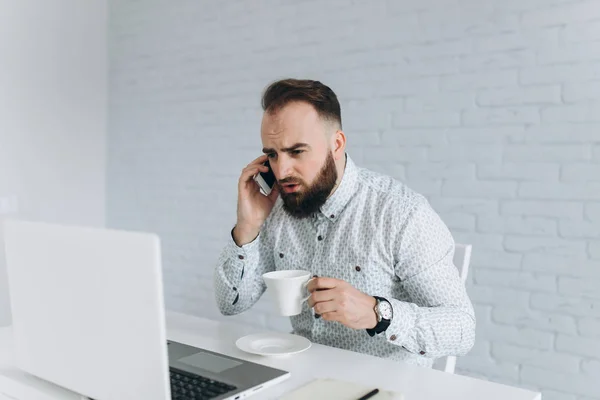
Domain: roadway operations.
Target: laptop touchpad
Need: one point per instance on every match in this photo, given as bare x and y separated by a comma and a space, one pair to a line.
209, 362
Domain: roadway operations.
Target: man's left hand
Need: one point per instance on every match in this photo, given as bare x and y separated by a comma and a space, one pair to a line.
337, 300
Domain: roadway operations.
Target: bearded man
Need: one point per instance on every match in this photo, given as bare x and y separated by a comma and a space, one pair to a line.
382, 260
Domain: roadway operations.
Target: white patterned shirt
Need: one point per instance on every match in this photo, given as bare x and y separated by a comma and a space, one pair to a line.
385, 240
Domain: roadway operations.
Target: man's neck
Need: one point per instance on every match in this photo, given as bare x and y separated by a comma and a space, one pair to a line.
340, 174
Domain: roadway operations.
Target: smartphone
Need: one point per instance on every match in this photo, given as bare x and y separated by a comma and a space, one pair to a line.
266, 180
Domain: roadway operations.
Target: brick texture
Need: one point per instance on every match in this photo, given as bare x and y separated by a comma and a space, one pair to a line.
491, 109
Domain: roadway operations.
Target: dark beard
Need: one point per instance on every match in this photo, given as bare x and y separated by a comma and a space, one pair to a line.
303, 204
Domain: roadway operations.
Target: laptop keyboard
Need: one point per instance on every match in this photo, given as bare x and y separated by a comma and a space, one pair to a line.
187, 386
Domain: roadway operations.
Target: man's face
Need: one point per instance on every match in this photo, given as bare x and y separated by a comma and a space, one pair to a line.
297, 143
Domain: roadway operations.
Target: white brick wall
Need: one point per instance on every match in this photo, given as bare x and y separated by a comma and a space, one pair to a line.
490, 108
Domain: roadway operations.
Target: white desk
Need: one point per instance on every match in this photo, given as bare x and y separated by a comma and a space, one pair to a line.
319, 361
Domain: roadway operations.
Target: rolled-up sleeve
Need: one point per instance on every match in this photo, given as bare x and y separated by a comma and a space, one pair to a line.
238, 279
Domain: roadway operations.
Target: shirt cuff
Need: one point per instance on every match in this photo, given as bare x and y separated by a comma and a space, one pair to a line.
402, 330
241, 256
235, 250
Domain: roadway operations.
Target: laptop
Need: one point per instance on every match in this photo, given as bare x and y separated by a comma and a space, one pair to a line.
88, 315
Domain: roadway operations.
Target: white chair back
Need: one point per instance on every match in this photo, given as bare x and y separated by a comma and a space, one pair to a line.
462, 259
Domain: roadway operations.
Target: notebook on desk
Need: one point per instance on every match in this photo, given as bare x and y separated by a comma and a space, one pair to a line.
333, 389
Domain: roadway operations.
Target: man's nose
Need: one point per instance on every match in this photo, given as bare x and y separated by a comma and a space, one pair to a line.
283, 168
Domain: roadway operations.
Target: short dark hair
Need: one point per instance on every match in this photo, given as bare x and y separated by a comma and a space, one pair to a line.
323, 99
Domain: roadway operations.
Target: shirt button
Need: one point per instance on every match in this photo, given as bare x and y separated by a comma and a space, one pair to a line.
319, 238
393, 337
357, 268
280, 255
332, 216
421, 352
241, 257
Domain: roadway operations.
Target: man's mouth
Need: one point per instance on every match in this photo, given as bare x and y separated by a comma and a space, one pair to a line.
290, 187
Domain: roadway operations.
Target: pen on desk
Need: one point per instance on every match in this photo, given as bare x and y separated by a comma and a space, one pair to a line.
369, 395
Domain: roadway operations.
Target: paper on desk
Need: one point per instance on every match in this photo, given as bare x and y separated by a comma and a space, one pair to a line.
333, 389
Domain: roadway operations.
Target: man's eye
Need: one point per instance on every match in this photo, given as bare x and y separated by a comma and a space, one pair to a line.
271, 155
296, 152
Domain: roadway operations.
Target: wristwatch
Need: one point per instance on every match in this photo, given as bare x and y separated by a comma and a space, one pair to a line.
384, 311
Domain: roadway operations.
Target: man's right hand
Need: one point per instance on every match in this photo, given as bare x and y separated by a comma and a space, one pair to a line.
253, 207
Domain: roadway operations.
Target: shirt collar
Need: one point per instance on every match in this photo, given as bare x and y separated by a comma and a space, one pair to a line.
344, 192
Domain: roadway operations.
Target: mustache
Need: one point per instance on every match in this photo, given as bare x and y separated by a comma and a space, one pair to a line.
290, 180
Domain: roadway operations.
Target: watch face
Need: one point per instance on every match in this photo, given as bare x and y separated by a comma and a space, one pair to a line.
385, 310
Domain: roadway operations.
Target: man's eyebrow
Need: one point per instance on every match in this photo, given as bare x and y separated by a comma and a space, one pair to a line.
286, 149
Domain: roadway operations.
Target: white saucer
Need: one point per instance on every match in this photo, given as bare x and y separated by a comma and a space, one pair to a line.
273, 344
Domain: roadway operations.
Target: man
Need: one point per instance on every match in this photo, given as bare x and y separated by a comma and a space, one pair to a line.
386, 284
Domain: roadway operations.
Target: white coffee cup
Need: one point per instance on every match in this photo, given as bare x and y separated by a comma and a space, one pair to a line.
288, 289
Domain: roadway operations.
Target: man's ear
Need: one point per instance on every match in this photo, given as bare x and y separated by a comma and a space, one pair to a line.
339, 144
